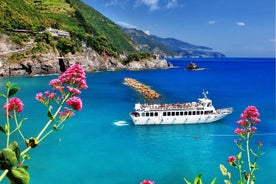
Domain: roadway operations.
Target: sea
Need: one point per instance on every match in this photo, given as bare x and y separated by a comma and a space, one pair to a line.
100, 144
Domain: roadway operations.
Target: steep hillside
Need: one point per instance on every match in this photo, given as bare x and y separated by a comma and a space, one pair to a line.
95, 23
149, 43
170, 47
82, 22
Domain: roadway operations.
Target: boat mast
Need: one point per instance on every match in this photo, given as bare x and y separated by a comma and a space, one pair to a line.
205, 94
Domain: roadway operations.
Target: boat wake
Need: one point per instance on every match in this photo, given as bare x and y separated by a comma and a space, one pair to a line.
120, 123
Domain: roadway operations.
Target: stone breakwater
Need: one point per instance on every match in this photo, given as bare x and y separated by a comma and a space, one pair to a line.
142, 88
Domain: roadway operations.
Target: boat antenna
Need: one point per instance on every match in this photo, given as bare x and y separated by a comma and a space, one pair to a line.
205, 94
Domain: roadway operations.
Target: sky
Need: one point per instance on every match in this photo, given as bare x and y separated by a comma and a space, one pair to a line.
236, 28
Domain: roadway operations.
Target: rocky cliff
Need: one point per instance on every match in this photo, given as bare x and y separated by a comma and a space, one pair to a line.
51, 62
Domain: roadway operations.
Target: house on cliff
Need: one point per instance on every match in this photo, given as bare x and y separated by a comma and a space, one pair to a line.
58, 33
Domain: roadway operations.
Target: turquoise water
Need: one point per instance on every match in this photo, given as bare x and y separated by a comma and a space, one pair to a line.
101, 145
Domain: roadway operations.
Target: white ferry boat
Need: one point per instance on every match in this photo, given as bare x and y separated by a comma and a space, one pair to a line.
178, 113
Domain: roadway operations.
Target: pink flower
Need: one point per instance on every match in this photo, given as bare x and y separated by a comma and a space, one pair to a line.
256, 120
251, 129
14, 104
242, 122
260, 143
67, 113
147, 182
55, 83
250, 112
39, 97
239, 131
75, 103
74, 91
231, 159
74, 76
50, 95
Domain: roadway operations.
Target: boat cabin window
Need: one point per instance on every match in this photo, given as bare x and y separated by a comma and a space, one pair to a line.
190, 112
177, 113
185, 113
156, 114
209, 104
147, 114
173, 113
136, 114
181, 113
208, 112
164, 114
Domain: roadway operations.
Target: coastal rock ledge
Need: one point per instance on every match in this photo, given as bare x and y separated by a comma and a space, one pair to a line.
52, 63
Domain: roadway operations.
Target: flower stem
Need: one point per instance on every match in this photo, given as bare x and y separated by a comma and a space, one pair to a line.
4, 174
25, 151
248, 158
17, 126
53, 118
7, 120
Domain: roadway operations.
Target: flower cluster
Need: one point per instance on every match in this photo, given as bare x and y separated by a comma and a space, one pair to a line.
75, 103
249, 118
69, 85
14, 104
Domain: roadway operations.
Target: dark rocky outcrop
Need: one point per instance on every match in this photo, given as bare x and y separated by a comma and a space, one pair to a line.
193, 66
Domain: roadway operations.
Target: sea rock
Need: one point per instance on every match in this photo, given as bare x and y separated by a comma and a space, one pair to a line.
193, 66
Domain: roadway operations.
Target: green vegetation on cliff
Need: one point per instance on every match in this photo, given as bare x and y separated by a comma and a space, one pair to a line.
84, 24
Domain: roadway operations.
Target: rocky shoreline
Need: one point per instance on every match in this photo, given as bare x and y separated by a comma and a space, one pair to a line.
51, 62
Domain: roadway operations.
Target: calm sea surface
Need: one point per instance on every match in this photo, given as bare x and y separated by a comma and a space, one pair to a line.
100, 145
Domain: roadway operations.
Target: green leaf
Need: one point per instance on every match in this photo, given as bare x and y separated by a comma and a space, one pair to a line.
2, 129
213, 181
19, 176
7, 159
7, 128
13, 91
22, 121
186, 181
3, 95
239, 156
198, 179
8, 84
14, 146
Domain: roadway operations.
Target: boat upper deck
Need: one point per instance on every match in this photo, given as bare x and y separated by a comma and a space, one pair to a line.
172, 106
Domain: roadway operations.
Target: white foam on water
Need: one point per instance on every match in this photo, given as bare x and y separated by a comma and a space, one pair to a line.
120, 123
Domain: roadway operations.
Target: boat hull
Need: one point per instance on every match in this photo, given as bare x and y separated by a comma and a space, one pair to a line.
178, 113
169, 120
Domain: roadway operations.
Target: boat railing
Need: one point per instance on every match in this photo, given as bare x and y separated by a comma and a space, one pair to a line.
225, 110
176, 106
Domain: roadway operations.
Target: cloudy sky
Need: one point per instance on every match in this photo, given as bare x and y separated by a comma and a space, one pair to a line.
237, 28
